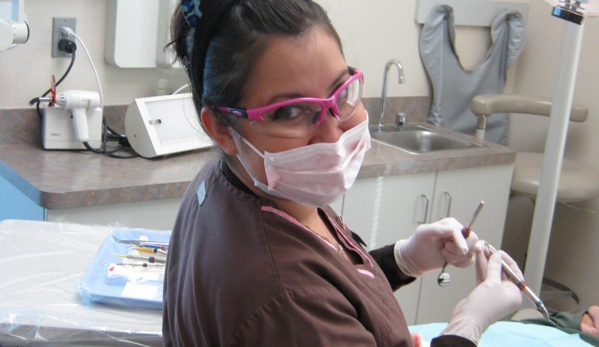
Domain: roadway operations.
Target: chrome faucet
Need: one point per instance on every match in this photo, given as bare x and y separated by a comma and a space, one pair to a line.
400, 120
401, 80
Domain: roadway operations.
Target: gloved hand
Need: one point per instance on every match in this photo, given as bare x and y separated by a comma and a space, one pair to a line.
494, 298
432, 245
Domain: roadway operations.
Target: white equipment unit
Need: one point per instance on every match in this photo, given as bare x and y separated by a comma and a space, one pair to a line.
162, 125
13, 24
137, 32
58, 129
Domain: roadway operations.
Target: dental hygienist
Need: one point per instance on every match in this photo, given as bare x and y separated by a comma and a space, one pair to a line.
257, 257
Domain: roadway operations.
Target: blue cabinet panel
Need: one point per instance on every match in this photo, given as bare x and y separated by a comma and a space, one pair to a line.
16, 205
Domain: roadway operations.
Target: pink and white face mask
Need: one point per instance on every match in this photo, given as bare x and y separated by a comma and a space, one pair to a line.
317, 174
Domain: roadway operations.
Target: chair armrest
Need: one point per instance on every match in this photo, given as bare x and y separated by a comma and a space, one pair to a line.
486, 105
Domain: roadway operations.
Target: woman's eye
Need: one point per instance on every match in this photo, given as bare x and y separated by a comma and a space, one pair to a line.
286, 112
343, 96
295, 112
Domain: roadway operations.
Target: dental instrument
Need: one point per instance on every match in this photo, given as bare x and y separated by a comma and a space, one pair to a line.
150, 250
142, 243
137, 257
522, 285
444, 278
141, 264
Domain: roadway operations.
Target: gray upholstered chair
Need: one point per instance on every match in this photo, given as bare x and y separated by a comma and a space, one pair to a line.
578, 182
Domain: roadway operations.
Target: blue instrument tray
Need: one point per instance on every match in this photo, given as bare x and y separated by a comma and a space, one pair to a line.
96, 287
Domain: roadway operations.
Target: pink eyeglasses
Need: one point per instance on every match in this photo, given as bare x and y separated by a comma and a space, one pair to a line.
300, 116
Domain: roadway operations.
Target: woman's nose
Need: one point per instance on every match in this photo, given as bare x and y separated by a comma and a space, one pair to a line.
328, 130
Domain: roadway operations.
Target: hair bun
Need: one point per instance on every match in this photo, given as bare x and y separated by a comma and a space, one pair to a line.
202, 16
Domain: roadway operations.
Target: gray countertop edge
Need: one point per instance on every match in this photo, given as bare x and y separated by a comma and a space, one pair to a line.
95, 189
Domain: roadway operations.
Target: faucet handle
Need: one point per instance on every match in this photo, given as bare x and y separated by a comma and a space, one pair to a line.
400, 120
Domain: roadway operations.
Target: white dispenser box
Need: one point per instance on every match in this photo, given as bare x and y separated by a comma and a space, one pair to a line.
163, 125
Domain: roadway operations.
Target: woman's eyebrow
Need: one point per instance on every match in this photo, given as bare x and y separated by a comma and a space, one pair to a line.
338, 81
286, 96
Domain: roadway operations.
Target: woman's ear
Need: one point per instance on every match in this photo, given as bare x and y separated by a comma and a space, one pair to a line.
218, 131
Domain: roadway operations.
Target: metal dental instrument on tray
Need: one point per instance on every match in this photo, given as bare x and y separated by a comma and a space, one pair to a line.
146, 253
141, 243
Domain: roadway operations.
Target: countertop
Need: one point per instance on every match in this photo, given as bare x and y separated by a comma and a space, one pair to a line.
68, 179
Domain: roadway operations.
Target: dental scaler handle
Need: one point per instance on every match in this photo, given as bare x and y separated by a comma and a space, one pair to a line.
466, 231
444, 278
521, 285
525, 289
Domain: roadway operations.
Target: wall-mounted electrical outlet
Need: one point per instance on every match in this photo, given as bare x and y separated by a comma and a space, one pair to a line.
57, 35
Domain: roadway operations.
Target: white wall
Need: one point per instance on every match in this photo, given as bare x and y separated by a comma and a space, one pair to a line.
25, 71
572, 257
375, 31
372, 32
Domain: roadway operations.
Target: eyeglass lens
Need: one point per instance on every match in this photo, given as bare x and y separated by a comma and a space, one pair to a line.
301, 119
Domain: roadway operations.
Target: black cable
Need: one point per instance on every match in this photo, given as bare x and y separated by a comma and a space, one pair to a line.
105, 151
72, 49
115, 133
91, 149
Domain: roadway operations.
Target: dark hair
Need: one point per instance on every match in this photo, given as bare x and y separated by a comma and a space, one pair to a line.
236, 42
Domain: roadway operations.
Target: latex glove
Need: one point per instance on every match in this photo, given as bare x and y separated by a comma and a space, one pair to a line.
432, 245
494, 297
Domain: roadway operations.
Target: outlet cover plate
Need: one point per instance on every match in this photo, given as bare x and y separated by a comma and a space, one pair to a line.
57, 23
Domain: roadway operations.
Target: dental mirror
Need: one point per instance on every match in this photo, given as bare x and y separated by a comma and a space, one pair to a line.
444, 278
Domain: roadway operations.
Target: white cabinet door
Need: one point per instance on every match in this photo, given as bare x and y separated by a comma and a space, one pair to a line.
460, 192
384, 210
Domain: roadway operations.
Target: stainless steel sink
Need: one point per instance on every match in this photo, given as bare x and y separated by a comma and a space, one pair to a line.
417, 139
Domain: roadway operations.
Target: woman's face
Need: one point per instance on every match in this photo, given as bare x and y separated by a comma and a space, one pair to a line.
307, 66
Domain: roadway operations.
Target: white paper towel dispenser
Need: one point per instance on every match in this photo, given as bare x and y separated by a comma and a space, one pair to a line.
137, 32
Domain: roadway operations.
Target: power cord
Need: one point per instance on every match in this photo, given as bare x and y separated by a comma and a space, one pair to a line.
180, 89
69, 47
108, 134
69, 32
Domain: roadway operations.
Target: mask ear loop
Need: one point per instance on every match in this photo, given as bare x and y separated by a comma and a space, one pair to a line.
257, 183
234, 132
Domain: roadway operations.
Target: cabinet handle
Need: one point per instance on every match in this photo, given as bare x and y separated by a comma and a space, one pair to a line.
425, 210
448, 203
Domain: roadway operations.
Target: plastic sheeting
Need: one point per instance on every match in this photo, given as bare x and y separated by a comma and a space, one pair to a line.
41, 265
